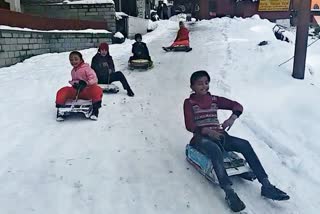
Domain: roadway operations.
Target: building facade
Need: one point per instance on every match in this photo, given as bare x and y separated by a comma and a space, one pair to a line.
136, 8
272, 10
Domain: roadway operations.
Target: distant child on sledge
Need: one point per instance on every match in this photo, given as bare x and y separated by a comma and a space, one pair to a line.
102, 64
182, 38
140, 49
84, 81
211, 139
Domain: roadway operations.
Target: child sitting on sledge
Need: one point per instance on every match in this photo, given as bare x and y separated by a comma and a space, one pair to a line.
182, 38
84, 84
102, 64
211, 139
140, 49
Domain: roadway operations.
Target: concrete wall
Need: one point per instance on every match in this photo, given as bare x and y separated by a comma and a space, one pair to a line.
15, 46
137, 25
92, 12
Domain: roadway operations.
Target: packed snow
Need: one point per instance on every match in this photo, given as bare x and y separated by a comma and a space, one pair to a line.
132, 159
118, 35
152, 25
119, 15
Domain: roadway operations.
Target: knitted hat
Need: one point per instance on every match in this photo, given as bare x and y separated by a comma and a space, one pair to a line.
104, 46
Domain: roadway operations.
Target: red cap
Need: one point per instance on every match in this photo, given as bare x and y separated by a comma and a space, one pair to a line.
104, 46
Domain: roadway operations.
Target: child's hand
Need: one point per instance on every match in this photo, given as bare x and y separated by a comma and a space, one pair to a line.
75, 85
72, 82
229, 122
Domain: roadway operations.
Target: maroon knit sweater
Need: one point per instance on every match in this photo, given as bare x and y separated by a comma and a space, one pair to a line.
201, 111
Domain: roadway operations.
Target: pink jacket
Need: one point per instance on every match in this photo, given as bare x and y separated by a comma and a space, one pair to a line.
83, 72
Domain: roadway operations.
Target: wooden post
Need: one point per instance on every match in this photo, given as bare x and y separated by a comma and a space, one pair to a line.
300, 52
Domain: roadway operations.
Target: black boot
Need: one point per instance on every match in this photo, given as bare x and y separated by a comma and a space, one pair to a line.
272, 192
130, 92
59, 105
95, 110
233, 201
60, 117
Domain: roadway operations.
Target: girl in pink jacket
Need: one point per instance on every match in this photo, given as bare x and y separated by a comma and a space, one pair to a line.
84, 79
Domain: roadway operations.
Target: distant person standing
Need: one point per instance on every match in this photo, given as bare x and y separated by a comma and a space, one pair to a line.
196, 12
165, 11
160, 9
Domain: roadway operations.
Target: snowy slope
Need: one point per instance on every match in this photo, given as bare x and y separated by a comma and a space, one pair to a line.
132, 159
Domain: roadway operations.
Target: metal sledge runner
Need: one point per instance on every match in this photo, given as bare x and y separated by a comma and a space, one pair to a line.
75, 106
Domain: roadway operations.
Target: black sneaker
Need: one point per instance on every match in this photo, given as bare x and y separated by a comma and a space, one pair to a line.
95, 110
234, 202
272, 192
130, 92
60, 117
93, 117
59, 105
95, 113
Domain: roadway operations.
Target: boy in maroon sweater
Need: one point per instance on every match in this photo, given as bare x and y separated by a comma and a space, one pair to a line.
211, 139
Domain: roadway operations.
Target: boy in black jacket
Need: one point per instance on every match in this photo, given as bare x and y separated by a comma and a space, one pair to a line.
139, 49
102, 64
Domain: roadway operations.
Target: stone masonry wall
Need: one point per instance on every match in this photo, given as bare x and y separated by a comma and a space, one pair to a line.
141, 6
16, 46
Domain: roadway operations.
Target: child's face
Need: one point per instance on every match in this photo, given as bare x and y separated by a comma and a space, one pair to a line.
75, 60
139, 40
201, 86
103, 52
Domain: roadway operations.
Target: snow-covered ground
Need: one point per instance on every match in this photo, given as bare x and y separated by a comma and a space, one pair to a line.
132, 159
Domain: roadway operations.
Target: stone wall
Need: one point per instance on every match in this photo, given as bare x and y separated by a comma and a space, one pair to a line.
92, 12
141, 6
16, 46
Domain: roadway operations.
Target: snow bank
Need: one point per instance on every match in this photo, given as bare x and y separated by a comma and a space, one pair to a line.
118, 35
152, 25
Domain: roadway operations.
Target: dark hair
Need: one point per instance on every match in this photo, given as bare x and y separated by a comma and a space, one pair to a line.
181, 23
138, 35
197, 75
78, 54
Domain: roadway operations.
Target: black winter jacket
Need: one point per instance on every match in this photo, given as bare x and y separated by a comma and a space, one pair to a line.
103, 66
140, 50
